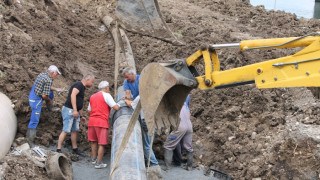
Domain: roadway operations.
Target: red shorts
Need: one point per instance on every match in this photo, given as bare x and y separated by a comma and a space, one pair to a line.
98, 134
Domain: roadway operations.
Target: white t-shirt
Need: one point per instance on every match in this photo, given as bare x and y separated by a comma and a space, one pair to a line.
134, 105
108, 99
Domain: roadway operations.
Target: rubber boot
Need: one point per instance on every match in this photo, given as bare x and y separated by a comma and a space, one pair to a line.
189, 161
51, 108
168, 158
31, 135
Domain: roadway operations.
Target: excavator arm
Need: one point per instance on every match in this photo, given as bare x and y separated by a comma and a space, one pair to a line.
165, 86
300, 69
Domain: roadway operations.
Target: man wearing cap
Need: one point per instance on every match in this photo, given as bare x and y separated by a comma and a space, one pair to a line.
42, 90
72, 112
99, 110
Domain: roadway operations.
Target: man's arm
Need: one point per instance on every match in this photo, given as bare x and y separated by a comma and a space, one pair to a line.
128, 94
74, 93
89, 109
46, 98
126, 90
55, 89
110, 101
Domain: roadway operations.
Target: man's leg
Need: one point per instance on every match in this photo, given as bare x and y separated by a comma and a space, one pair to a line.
170, 144
187, 145
100, 152
67, 117
92, 137
62, 137
177, 156
34, 120
35, 114
74, 135
102, 134
94, 149
146, 148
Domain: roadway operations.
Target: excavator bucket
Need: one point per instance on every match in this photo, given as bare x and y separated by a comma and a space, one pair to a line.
164, 88
144, 17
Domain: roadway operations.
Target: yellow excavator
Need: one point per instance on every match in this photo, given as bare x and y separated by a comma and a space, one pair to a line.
165, 86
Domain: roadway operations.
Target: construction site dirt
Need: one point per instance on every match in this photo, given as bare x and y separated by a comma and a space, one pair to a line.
242, 131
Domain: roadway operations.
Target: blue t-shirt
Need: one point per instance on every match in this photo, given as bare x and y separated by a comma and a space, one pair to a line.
133, 87
187, 102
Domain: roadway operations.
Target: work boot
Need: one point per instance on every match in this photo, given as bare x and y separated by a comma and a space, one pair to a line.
189, 161
52, 109
168, 158
31, 135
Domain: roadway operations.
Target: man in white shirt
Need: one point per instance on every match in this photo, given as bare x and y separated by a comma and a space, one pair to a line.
99, 110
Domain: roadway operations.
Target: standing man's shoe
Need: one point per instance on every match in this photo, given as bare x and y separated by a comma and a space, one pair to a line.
77, 152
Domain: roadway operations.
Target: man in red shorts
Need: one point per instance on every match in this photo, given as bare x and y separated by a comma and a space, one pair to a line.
99, 110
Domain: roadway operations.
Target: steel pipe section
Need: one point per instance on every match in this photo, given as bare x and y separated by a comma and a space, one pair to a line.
8, 125
131, 164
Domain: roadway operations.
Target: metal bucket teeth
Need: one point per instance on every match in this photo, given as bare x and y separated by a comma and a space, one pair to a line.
163, 89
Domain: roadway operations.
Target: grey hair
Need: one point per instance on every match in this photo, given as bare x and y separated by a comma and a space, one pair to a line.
103, 84
128, 70
88, 76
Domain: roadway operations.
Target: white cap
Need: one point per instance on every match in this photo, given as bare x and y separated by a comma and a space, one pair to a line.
53, 68
103, 84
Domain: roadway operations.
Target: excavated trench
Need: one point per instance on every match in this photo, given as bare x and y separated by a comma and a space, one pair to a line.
245, 132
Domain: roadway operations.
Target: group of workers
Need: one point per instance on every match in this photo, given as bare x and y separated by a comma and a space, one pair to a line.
99, 108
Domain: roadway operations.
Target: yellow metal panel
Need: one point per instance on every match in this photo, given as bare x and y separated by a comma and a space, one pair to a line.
302, 74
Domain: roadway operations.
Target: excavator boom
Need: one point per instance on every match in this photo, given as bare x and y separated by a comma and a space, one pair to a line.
165, 86
144, 17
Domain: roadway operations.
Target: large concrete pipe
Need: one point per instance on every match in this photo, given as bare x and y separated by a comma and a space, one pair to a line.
131, 164
8, 125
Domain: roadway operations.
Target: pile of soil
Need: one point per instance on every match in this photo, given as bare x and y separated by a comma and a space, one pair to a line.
37, 34
242, 131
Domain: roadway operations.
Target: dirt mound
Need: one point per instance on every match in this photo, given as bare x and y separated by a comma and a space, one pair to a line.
242, 131
37, 34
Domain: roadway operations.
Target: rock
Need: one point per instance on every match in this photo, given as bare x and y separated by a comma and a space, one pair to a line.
154, 173
231, 137
242, 128
10, 87
256, 178
23, 147
21, 140
253, 135
259, 147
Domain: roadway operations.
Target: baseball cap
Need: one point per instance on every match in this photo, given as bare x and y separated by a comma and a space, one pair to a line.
53, 68
103, 84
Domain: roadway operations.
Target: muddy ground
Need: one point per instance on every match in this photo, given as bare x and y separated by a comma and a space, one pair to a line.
243, 131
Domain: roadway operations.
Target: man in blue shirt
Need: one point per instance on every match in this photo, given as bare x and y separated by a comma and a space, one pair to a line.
131, 86
131, 83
